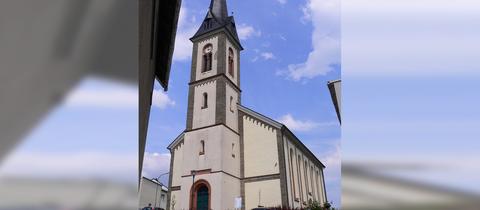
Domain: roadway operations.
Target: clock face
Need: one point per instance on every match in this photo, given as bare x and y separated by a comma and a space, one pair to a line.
208, 49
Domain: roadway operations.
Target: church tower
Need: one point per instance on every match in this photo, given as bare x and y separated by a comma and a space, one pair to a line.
207, 176
229, 156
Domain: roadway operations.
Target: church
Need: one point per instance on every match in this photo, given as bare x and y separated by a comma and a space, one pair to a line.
229, 156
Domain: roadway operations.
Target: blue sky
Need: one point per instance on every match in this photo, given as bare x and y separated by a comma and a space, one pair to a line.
291, 51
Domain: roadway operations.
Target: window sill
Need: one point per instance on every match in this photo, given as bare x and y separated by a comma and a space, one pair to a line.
201, 153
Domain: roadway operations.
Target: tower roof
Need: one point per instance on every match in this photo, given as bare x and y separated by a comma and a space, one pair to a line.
217, 18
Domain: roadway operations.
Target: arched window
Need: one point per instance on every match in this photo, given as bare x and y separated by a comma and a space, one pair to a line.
233, 150
200, 195
312, 183
231, 63
318, 187
307, 190
207, 58
299, 176
292, 183
231, 103
202, 147
205, 101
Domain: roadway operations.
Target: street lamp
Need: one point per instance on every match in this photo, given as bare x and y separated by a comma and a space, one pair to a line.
156, 188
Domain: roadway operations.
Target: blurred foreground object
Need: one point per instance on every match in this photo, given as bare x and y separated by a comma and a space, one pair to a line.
335, 88
157, 29
21, 193
364, 188
48, 46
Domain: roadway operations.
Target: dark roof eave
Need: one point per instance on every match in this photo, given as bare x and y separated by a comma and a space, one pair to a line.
176, 140
223, 28
285, 128
161, 67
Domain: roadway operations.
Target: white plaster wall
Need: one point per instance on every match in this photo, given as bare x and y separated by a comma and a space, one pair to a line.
177, 200
235, 58
230, 164
212, 159
204, 117
177, 165
231, 117
147, 194
201, 45
264, 193
230, 190
260, 148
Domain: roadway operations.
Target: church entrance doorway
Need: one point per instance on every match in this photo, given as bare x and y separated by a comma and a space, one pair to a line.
201, 195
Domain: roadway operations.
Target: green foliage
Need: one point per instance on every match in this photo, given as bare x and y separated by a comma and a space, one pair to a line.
314, 205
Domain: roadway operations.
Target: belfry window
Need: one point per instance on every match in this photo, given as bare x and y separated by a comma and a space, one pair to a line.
230, 62
205, 101
207, 58
202, 147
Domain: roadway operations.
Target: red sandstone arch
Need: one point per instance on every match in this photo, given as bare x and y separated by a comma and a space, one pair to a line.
193, 193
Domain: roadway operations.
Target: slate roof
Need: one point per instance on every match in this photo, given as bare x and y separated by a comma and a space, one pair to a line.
217, 18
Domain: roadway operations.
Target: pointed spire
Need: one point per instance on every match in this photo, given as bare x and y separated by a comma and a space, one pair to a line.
217, 18
219, 9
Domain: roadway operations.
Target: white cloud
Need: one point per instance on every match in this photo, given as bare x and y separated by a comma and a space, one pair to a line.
333, 161
155, 164
282, 1
246, 31
112, 97
268, 55
161, 100
298, 125
325, 17
187, 27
